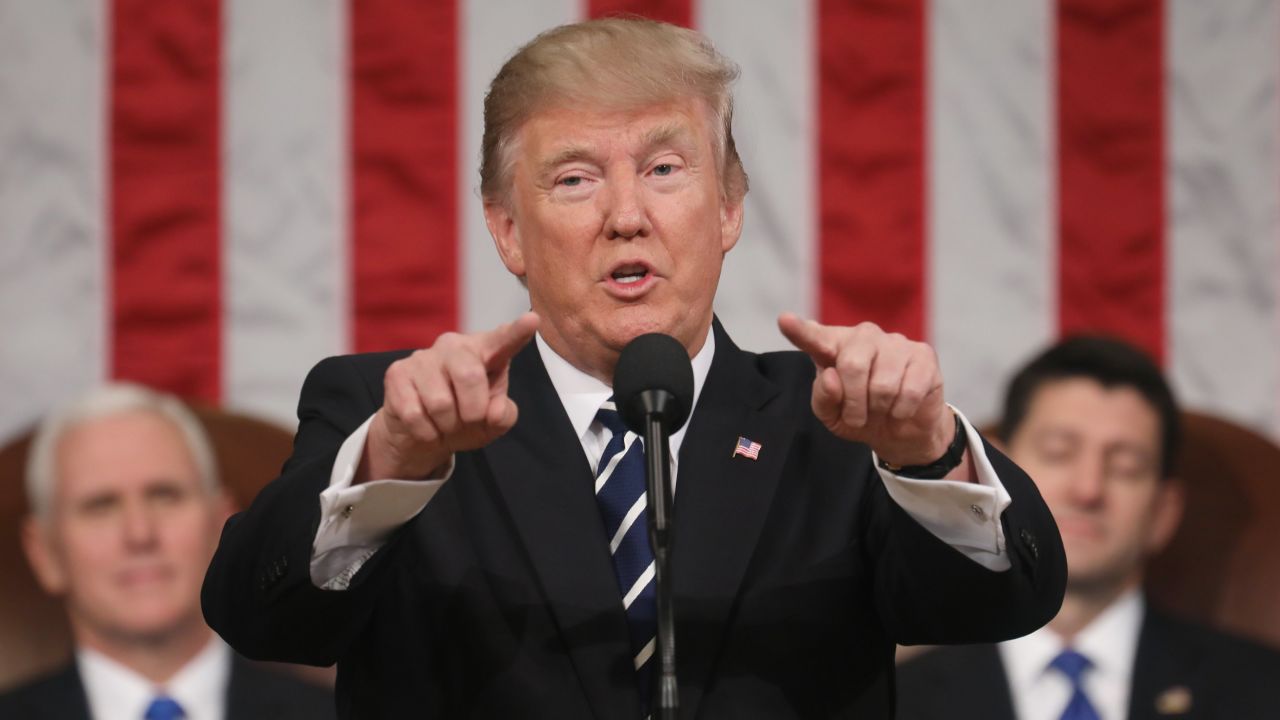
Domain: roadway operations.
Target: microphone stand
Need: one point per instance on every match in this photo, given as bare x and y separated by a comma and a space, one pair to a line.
658, 484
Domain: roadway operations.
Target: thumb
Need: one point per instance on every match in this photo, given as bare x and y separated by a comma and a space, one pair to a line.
810, 337
500, 344
828, 397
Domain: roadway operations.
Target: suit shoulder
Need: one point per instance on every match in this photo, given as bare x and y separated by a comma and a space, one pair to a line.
372, 364
945, 660
786, 367
1219, 647
265, 692
339, 375
50, 695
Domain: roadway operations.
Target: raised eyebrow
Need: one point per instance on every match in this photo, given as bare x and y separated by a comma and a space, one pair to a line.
667, 134
570, 154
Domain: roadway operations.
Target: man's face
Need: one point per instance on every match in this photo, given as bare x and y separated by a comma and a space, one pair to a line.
618, 223
130, 532
1095, 455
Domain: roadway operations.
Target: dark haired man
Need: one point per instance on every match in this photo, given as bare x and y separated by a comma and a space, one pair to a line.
1094, 423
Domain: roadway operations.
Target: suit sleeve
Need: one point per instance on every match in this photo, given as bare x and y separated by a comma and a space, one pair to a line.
928, 592
258, 593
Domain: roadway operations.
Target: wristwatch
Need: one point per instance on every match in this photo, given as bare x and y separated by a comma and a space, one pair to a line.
939, 468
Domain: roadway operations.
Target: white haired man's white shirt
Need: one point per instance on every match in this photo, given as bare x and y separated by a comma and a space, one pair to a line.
116, 692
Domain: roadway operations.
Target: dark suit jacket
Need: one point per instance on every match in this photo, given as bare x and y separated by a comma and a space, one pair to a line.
1227, 678
793, 575
252, 694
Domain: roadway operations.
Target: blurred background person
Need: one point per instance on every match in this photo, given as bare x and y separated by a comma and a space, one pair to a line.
1094, 423
125, 511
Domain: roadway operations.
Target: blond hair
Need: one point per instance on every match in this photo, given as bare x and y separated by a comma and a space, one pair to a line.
615, 63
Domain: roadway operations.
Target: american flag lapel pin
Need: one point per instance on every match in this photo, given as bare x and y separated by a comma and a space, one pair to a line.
747, 448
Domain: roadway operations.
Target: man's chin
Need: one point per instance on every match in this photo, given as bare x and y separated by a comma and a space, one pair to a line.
1096, 579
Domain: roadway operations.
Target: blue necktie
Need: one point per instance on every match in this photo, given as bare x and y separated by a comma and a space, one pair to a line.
620, 493
1072, 664
164, 708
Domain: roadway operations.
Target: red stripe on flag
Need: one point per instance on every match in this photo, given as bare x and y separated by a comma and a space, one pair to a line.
871, 155
404, 137
676, 12
164, 196
1111, 169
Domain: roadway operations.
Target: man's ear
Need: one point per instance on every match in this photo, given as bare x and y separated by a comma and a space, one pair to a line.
506, 237
224, 507
731, 212
46, 563
1169, 504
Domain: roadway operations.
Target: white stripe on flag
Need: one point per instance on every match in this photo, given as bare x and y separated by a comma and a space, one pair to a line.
53, 292
773, 268
285, 198
1224, 182
991, 217
492, 30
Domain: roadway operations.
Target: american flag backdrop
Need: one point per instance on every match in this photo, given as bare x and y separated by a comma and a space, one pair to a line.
211, 195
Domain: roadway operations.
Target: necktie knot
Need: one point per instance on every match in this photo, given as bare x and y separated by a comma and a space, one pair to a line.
164, 708
1072, 664
610, 418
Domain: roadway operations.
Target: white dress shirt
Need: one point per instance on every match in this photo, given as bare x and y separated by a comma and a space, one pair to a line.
116, 692
356, 520
1110, 642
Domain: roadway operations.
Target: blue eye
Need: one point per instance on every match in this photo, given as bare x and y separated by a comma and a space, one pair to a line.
571, 181
664, 169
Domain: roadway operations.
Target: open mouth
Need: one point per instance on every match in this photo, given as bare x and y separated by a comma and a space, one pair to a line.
630, 274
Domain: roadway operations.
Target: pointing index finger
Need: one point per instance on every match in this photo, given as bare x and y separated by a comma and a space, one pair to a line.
500, 344
808, 337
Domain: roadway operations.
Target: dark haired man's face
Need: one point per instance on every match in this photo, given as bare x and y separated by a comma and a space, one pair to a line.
1094, 452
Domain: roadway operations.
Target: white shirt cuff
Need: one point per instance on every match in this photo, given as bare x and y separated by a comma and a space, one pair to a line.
355, 521
964, 515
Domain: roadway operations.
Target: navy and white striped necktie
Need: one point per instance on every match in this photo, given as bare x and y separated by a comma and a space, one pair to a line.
620, 493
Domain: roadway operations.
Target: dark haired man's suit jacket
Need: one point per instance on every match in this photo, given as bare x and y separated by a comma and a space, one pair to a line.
252, 694
1223, 677
793, 574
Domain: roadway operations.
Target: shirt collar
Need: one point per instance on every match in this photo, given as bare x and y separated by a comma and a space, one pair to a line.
116, 691
582, 395
1110, 642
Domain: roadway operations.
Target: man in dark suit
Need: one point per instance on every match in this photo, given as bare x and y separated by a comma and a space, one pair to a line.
125, 512
1094, 422
462, 528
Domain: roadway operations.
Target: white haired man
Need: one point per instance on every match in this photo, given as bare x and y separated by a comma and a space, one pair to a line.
462, 528
125, 510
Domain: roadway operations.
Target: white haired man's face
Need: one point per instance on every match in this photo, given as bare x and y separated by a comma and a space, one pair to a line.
619, 223
130, 530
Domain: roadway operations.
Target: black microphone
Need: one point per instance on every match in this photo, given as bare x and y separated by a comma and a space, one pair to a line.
653, 390
653, 377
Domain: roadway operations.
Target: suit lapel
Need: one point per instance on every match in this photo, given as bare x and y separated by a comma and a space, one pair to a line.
1164, 673
66, 695
979, 687
721, 505
547, 485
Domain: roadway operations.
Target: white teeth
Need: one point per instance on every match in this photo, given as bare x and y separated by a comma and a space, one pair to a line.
627, 277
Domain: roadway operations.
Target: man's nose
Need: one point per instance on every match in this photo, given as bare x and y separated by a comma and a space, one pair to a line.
139, 525
626, 213
1089, 480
